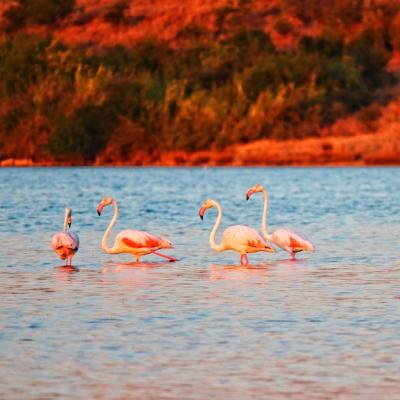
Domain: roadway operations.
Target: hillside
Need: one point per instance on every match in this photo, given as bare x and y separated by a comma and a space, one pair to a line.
199, 82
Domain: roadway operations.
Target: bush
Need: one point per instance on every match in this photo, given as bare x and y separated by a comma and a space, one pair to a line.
84, 135
116, 14
329, 44
41, 12
22, 62
370, 57
283, 26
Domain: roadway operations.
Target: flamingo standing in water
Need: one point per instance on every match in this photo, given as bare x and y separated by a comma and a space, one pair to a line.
137, 243
66, 243
286, 239
240, 238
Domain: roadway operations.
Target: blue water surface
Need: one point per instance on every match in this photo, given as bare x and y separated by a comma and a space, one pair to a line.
326, 326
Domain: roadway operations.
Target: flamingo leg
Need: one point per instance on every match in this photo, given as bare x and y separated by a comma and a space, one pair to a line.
293, 254
244, 260
138, 259
171, 259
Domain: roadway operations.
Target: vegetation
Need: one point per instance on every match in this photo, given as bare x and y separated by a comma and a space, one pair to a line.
202, 93
41, 12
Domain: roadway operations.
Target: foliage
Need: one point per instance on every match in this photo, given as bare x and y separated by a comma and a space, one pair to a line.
22, 62
208, 91
41, 12
116, 14
82, 135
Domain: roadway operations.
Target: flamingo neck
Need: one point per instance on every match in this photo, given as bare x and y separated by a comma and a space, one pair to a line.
110, 250
264, 217
213, 245
66, 222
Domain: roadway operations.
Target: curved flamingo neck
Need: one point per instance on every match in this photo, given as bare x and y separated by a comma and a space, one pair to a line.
110, 250
264, 217
213, 245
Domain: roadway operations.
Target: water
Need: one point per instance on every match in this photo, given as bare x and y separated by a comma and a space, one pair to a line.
326, 326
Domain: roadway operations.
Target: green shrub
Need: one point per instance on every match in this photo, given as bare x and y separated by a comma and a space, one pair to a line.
41, 12
83, 135
329, 44
283, 26
370, 57
116, 14
22, 62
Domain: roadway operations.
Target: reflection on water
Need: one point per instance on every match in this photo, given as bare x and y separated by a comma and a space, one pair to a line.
325, 326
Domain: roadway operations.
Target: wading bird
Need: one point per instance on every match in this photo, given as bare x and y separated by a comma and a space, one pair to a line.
66, 243
240, 238
137, 243
284, 238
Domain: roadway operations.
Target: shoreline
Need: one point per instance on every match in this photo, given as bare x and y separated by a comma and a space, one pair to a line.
363, 150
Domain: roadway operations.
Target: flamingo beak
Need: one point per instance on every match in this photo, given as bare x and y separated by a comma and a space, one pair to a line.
100, 209
69, 222
249, 193
202, 211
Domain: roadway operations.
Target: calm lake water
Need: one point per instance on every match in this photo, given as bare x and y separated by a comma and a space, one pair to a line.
324, 327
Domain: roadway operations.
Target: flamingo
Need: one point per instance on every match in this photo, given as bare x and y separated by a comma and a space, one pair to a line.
137, 243
66, 243
240, 238
286, 239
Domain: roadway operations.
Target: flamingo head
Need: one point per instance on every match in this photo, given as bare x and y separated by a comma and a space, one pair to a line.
68, 216
204, 207
104, 203
254, 189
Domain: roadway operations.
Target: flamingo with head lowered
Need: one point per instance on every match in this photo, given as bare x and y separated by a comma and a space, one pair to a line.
66, 243
240, 238
137, 243
286, 239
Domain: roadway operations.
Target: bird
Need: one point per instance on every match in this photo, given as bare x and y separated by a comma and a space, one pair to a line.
287, 239
240, 238
137, 243
66, 242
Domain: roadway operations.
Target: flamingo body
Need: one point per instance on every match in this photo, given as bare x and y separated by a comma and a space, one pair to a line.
243, 239
290, 241
140, 243
65, 244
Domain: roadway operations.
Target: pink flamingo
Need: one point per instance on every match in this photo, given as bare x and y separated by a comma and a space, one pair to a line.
240, 238
130, 241
284, 238
66, 243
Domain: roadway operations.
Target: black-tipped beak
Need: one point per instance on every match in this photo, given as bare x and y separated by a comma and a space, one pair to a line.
247, 196
99, 209
69, 224
201, 212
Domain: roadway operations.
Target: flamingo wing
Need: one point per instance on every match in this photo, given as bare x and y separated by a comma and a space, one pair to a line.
75, 240
290, 240
140, 240
240, 235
